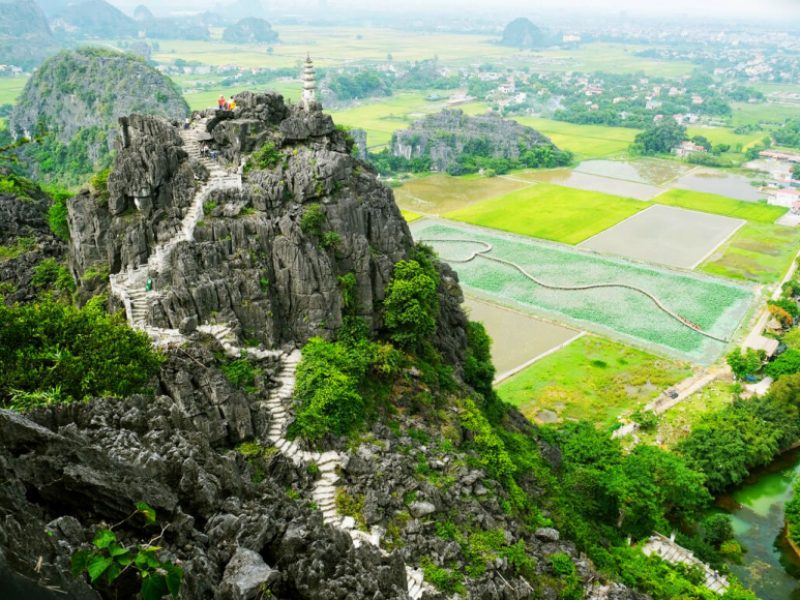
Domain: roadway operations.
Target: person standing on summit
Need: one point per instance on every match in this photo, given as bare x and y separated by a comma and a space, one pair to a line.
221, 102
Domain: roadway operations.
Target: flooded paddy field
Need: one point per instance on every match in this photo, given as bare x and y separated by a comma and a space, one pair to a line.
517, 338
650, 171
595, 183
723, 184
666, 235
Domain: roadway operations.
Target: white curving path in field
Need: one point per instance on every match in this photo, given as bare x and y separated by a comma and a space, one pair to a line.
129, 287
487, 248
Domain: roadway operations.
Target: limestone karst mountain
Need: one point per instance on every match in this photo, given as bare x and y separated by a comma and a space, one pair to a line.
233, 242
250, 30
92, 19
25, 36
450, 137
522, 33
73, 102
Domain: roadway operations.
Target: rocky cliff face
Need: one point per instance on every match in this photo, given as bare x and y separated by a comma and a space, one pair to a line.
445, 136
254, 264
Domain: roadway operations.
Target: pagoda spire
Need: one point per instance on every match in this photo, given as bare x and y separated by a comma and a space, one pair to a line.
309, 84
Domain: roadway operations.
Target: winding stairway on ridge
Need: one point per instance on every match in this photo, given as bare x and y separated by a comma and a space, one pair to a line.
129, 287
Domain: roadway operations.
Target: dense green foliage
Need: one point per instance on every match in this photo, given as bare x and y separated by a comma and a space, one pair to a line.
476, 156
788, 134
745, 363
726, 445
110, 562
52, 352
411, 304
791, 510
58, 215
660, 138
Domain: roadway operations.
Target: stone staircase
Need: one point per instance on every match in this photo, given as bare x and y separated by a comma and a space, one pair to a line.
129, 286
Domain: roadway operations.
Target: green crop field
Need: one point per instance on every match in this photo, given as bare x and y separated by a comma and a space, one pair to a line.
438, 194
585, 141
770, 113
551, 212
593, 379
716, 306
410, 216
724, 135
10, 88
759, 252
720, 205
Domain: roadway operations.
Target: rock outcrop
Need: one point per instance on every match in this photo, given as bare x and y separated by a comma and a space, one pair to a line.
446, 136
253, 263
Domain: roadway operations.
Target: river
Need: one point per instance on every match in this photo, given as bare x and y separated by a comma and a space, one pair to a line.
769, 567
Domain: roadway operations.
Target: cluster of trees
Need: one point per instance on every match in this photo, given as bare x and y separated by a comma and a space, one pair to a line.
659, 138
788, 134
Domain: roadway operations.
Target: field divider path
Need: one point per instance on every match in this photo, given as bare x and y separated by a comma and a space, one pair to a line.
129, 287
571, 288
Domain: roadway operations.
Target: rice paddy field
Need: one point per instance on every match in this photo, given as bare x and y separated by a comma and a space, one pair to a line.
720, 205
593, 379
550, 212
666, 235
517, 337
438, 194
716, 306
758, 252
585, 141
10, 88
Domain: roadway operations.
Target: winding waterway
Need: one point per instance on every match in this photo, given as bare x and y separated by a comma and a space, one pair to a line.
769, 568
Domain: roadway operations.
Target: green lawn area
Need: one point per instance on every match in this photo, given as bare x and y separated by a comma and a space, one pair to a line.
759, 252
721, 205
593, 379
585, 141
10, 88
675, 424
551, 212
410, 216
439, 193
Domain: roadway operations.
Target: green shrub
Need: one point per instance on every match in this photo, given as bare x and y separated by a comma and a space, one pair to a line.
562, 564
83, 353
50, 275
443, 579
330, 239
411, 305
266, 157
110, 558
209, 206
99, 184
58, 216
478, 368
312, 220
240, 373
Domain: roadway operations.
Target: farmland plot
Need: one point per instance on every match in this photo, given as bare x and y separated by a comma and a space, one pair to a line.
713, 306
666, 235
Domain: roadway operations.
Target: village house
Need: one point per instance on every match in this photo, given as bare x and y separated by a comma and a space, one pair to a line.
787, 197
686, 149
